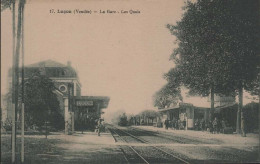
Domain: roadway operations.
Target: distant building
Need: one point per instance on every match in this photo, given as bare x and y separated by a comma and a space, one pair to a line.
68, 90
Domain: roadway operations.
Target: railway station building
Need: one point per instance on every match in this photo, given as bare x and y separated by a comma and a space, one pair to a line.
200, 109
73, 106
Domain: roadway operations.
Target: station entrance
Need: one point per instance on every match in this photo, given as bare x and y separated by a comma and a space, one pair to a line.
87, 110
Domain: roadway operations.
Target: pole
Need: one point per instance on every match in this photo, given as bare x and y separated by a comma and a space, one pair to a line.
13, 133
22, 112
212, 92
0, 132
259, 114
17, 53
46, 133
239, 111
13, 86
22, 134
259, 108
243, 132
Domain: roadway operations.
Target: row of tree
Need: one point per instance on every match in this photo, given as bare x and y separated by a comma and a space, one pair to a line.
146, 117
217, 52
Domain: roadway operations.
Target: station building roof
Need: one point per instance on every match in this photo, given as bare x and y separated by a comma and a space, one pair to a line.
51, 68
179, 105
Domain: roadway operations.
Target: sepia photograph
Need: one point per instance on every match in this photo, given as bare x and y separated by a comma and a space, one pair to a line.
130, 81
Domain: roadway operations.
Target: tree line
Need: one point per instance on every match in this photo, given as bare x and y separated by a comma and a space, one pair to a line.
145, 117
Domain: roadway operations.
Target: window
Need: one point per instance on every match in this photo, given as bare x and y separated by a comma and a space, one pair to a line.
63, 88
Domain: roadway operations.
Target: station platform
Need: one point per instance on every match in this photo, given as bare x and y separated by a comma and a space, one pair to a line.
224, 139
88, 137
82, 148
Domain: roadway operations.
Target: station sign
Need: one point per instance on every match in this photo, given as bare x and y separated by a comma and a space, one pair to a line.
84, 103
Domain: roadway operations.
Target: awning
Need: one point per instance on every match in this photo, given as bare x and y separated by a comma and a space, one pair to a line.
168, 109
219, 108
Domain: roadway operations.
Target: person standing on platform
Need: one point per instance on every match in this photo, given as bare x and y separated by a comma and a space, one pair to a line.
223, 126
177, 124
184, 122
202, 124
99, 126
196, 124
215, 125
166, 123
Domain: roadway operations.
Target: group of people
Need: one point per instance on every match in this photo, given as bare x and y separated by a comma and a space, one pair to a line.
218, 126
215, 126
175, 124
200, 124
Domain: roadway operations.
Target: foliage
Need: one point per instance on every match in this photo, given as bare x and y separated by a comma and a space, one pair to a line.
170, 93
151, 114
41, 103
5, 4
217, 45
254, 86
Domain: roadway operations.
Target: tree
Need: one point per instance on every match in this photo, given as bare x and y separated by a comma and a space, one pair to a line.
244, 48
5, 4
197, 55
254, 86
149, 114
170, 93
41, 103
217, 46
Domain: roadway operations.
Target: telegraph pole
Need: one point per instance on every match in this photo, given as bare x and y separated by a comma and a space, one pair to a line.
22, 112
258, 80
13, 87
15, 68
0, 132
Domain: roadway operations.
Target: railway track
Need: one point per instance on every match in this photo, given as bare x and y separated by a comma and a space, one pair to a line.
175, 139
142, 154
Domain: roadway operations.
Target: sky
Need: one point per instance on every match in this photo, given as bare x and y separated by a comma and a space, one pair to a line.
123, 56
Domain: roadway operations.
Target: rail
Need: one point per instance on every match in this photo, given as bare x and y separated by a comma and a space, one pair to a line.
144, 141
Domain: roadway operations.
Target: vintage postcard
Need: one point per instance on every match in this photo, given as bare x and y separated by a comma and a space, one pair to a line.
130, 81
